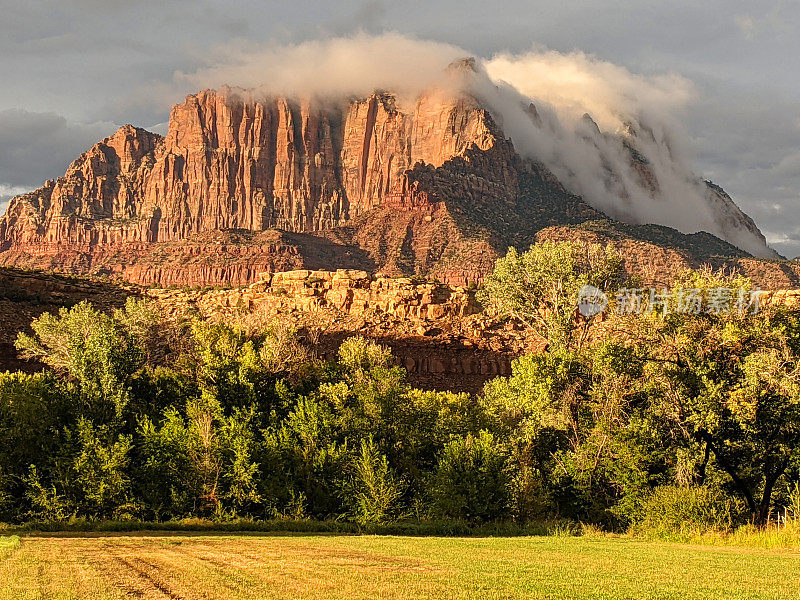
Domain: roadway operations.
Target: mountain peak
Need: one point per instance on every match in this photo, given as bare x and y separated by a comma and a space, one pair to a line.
467, 64
431, 186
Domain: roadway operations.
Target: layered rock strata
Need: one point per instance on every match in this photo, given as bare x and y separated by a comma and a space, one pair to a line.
429, 186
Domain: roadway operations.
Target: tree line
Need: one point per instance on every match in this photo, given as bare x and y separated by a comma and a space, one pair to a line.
655, 420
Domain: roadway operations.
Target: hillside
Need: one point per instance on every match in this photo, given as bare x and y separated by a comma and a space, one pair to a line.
242, 184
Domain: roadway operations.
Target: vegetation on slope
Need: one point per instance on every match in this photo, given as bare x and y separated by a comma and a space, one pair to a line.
664, 421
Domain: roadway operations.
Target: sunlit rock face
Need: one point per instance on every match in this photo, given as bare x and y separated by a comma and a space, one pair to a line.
230, 163
429, 185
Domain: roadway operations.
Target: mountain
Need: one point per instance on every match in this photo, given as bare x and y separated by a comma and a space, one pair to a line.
243, 183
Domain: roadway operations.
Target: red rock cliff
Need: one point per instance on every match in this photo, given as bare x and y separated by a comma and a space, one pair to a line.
428, 186
229, 162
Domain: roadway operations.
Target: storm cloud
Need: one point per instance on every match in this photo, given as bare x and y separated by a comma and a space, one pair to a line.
39, 146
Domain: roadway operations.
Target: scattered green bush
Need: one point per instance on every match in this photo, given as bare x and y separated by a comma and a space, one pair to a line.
673, 511
470, 480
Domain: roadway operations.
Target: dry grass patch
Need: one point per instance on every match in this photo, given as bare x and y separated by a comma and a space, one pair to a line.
233, 567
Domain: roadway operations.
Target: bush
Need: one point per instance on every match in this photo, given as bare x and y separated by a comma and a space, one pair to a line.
470, 481
672, 511
373, 491
359, 354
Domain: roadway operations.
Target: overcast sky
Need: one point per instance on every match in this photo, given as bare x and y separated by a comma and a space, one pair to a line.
72, 71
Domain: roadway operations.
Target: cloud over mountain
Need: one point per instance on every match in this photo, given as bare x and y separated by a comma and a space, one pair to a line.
592, 115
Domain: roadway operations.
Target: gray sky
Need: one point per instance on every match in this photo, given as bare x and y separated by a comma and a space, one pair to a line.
74, 70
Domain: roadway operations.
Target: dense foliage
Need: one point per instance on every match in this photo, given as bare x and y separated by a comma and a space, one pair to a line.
662, 420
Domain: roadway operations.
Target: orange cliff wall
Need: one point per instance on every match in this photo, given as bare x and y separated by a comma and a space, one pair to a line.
229, 162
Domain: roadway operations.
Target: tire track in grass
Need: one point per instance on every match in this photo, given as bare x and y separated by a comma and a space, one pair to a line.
284, 574
305, 570
236, 569
145, 575
59, 568
124, 574
170, 559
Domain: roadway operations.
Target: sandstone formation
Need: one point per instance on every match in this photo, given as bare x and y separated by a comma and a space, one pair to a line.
233, 163
243, 184
436, 332
230, 163
348, 292
439, 333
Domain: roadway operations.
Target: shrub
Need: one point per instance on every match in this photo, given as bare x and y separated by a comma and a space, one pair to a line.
100, 468
359, 354
470, 481
683, 512
46, 503
373, 491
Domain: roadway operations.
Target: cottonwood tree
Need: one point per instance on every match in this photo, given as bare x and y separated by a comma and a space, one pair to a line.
96, 351
561, 408
541, 287
729, 383
732, 385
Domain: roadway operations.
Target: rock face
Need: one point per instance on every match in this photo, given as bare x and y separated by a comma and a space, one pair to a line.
656, 254
232, 163
435, 331
354, 293
429, 186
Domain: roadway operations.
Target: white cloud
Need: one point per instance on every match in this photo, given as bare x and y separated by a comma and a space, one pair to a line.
357, 65
576, 83
563, 86
9, 191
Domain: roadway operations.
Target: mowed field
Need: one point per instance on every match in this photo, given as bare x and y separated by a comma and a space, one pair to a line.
231, 567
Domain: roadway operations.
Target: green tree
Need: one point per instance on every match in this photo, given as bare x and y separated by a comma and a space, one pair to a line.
470, 480
100, 469
573, 423
200, 463
307, 456
241, 366
371, 490
368, 394
541, 286
424, 421
729, 385
96, 351
165, 476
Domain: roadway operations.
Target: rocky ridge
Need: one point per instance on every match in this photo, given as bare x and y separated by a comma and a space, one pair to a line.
242, 184
438, 332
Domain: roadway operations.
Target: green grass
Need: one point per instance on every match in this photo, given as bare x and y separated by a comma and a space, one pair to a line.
8, 544
99, 566
748, 536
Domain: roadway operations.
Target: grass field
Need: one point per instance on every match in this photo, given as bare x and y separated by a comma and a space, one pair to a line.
232, 567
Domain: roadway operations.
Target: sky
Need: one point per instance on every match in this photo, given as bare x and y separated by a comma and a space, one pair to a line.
75, 70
